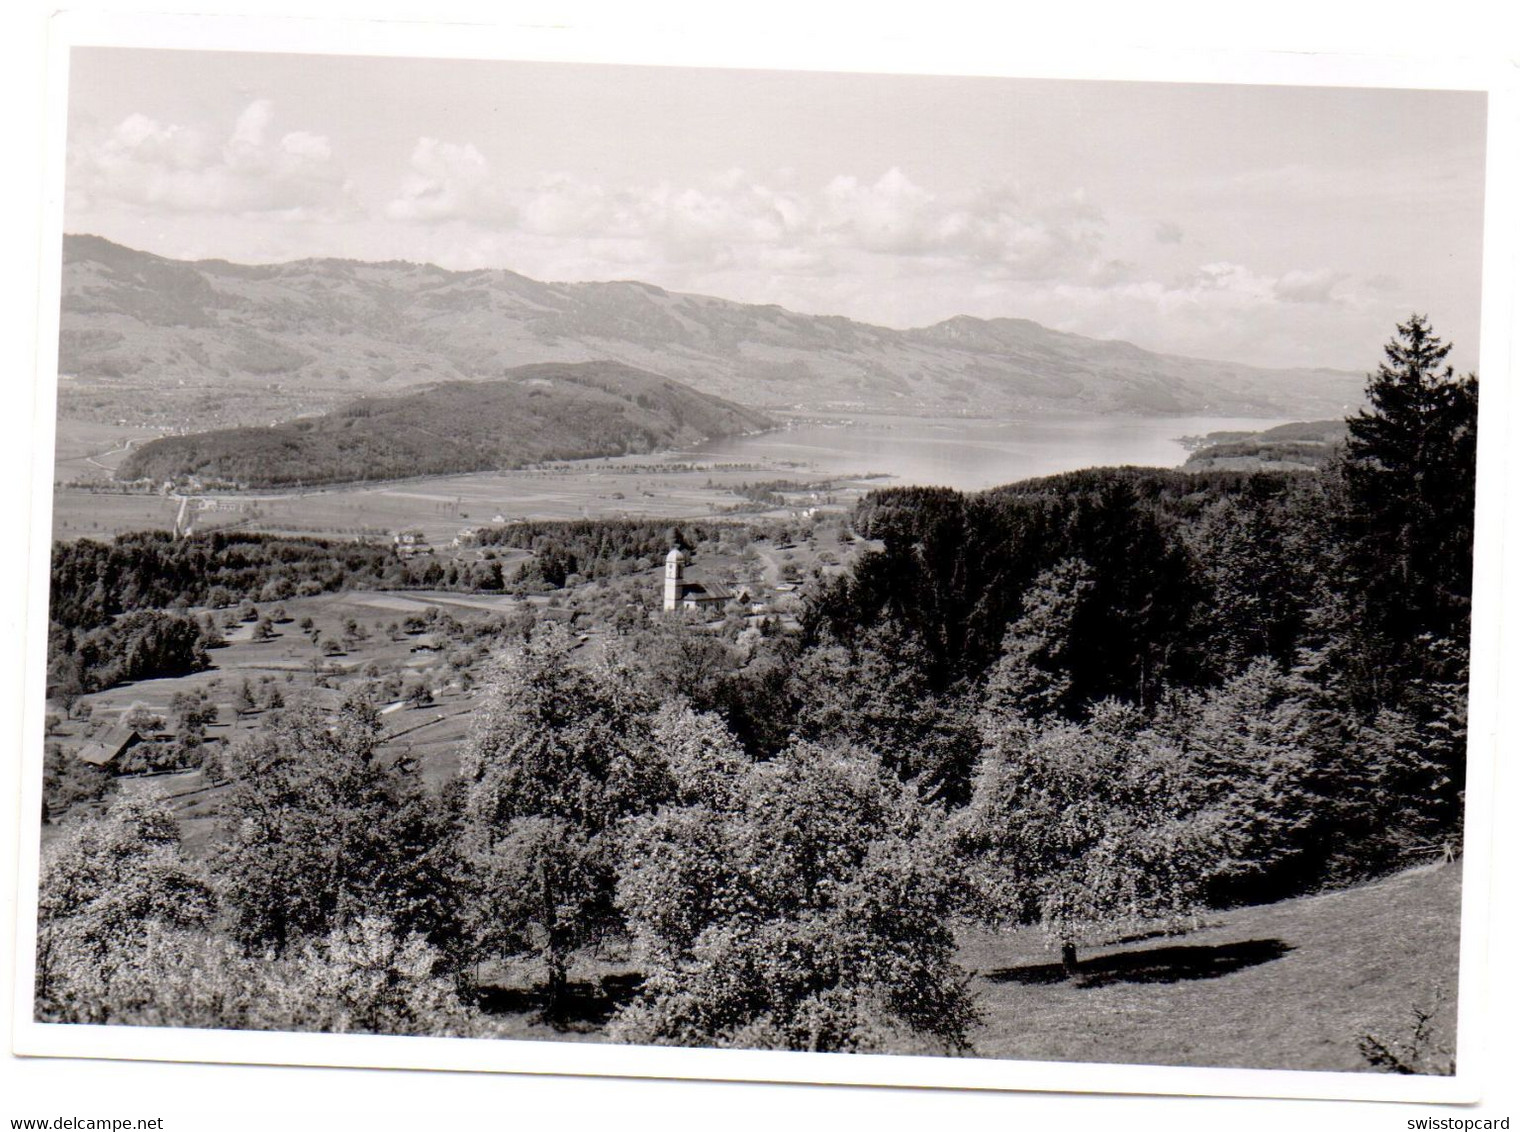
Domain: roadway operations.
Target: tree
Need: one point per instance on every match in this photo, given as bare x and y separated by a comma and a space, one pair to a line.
136, 646
1408, 480
105, 885
1033, 676
558, 758
362, 977
366, 976
323, 831
1262, 554
802, 902
1253, 763
211, 632
143, 719
874, 694
1085, 829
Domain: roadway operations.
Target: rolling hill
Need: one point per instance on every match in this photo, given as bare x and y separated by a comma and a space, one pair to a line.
1297, 445
219, 342
540, 412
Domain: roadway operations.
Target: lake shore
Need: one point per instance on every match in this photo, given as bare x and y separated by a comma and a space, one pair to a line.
846, 456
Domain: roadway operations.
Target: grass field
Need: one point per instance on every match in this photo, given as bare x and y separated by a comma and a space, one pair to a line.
294, 664
1291, 985
1280, 986
90, 450
658, 486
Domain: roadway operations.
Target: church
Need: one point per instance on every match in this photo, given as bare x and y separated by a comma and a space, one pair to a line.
684, 592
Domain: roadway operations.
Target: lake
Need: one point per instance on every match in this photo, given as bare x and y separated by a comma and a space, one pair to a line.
966, 454
969, 454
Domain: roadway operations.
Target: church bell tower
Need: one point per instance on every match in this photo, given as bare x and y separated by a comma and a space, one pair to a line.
675, 569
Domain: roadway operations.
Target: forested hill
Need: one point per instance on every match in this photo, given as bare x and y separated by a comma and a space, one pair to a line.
542, 412
319, 332
1301, 444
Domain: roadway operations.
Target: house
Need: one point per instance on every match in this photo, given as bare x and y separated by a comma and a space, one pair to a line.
109, 746
409, 543
683, 591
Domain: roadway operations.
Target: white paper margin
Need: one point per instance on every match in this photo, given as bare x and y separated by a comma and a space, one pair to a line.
779, 49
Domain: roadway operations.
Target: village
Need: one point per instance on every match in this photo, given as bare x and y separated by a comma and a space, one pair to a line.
422, 656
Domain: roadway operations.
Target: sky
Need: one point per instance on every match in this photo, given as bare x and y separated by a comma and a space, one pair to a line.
1275, 225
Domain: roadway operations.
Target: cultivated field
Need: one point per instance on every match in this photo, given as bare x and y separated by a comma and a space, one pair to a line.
621, 487
325, 644
90, 450
297, 663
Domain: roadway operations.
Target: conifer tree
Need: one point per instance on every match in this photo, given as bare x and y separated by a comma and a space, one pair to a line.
1408, 479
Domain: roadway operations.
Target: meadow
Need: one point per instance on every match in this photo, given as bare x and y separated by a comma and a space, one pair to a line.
440, 506
1297, 984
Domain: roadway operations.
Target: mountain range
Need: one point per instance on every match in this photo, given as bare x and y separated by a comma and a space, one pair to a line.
221, 343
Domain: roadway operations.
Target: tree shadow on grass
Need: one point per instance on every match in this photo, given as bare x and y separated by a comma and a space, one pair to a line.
1152, 965
584, 1005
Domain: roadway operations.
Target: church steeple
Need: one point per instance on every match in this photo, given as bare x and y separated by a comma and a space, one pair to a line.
675, 572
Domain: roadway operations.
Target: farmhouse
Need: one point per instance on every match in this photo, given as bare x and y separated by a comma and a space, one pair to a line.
408, 543
683, 591
106, 748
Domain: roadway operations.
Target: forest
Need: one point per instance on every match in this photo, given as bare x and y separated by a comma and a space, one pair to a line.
535, 413
1101, 703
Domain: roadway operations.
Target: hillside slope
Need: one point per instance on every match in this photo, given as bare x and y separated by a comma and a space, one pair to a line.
1291, 985
543, 412
319, 331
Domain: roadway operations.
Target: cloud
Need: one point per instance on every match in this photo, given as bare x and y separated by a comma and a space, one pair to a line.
734, 218
885, 248
148, 164
448, 181
1220, 309
1310, 286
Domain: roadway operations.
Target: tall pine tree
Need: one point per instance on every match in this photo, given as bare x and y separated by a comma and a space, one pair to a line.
1408, 480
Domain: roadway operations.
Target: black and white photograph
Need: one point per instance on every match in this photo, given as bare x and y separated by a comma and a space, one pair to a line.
950, 570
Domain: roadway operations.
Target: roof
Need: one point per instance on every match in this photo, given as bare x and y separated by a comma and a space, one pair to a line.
704, 590
109, 746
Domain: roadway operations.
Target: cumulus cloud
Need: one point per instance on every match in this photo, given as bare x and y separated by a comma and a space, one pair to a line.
736, 218
149, 164
883, 248
1310, 286
447, 181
